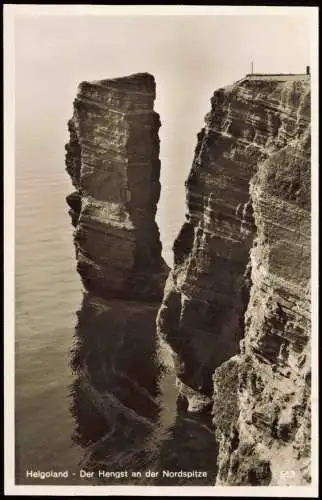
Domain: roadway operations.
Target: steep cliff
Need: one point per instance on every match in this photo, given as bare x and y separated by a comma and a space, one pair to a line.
236, 308
267, 440
113, 161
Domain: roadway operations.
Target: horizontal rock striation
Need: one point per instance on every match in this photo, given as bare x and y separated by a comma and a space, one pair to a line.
266, 439
241, 278
113, 161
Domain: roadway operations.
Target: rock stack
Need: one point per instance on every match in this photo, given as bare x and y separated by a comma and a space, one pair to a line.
113, 161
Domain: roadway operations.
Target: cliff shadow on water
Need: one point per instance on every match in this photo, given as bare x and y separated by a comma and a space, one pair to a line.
128, 417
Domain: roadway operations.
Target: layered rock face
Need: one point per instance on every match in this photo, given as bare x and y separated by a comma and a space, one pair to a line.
113, 161
236, 309
267, 437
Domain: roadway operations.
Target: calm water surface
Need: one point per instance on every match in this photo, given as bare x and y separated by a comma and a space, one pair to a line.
48, 294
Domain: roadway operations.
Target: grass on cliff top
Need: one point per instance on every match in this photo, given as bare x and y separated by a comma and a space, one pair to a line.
287, 175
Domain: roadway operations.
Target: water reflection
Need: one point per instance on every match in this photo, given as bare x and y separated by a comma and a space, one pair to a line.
124, 401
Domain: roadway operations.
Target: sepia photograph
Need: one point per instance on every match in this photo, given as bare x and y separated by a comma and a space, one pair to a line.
161, 197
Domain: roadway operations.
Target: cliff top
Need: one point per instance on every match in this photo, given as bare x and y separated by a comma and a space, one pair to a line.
283, 77
138, 83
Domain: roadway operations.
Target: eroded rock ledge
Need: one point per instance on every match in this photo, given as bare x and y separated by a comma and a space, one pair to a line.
236, 308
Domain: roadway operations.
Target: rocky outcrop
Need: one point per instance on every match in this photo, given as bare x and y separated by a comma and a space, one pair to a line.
113, 161
236, 308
